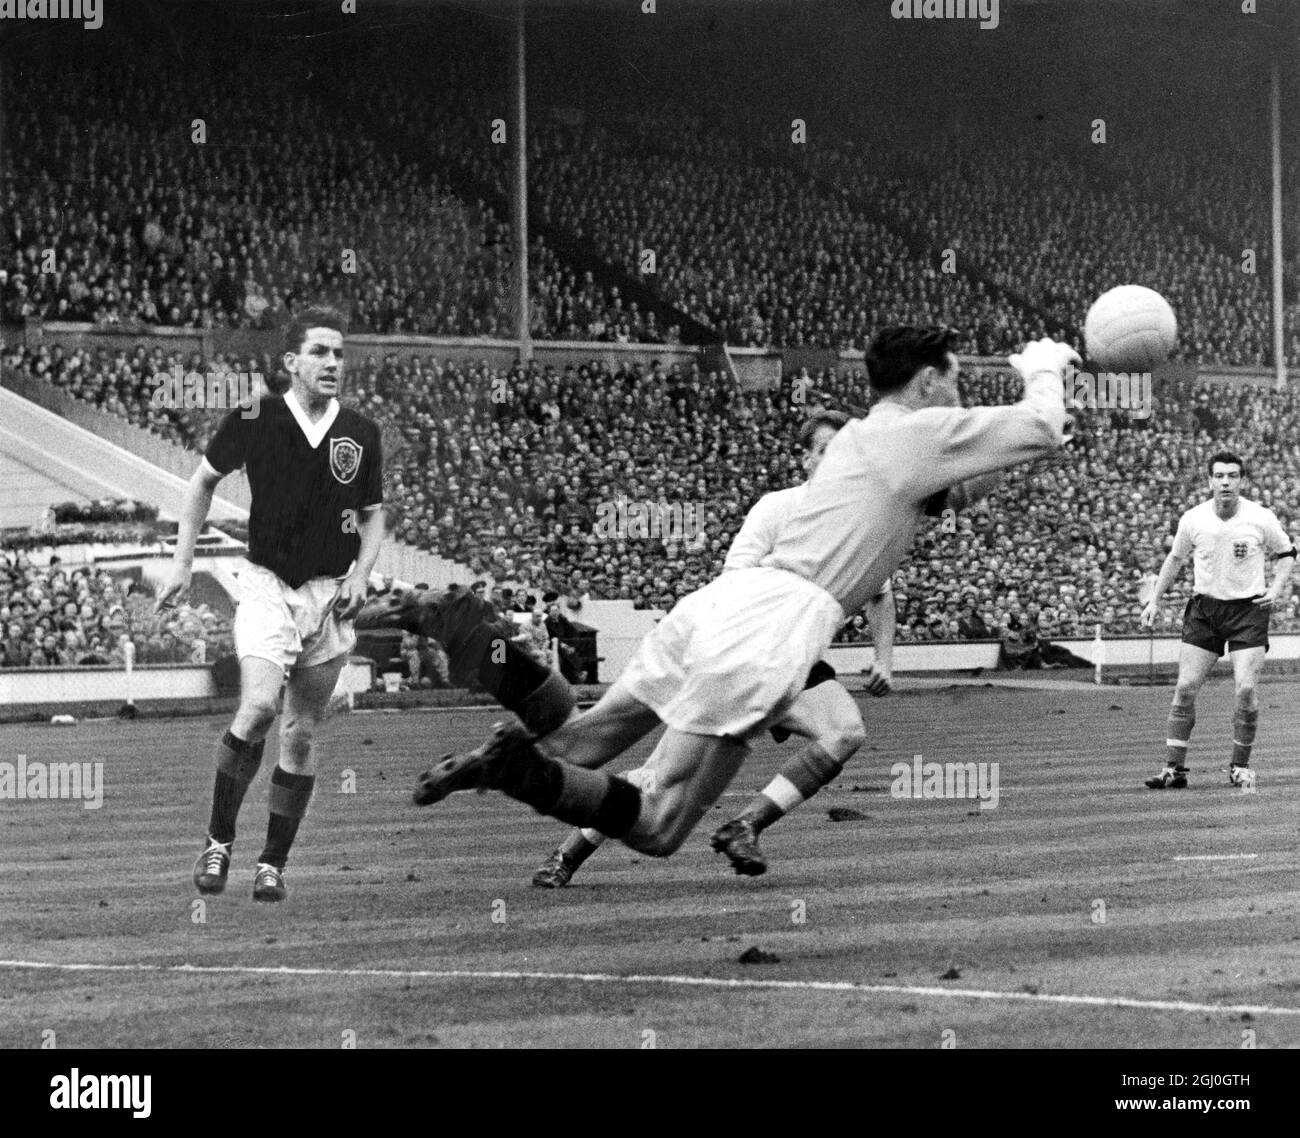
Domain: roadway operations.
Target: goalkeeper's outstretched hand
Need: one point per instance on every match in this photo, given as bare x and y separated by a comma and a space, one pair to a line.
1044, 355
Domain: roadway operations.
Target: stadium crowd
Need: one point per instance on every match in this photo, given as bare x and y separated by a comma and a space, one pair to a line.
115, 230
814, 245
535, 478
55, 616
742, 243
1061, 239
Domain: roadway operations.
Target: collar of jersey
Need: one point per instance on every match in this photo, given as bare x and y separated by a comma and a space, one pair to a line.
889, 407
315, 432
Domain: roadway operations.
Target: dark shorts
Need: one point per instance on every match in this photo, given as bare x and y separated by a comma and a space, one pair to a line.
1209, 623
821, 673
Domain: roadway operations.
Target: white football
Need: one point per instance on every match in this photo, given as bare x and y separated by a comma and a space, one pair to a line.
1129, 328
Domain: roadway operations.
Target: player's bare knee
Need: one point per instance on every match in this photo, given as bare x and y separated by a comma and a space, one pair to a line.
259, 712
846, 742
1247, 696
1185, 694
297, 732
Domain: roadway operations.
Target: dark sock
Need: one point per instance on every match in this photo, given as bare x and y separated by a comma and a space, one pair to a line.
619, 808
572, 794
237, 764
575, 849
1243, 735
540, 697
290, 794
761, 813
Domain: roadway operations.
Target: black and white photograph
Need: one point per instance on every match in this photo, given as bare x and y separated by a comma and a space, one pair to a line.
649, 524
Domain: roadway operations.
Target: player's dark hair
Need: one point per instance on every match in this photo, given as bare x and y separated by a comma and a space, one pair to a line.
1225, 456
811, 425
318, 316
898, 353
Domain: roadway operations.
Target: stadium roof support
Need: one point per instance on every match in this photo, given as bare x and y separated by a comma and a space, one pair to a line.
1279, 302
519, 193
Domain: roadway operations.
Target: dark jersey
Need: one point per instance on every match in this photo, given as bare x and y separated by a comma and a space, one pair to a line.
306, 499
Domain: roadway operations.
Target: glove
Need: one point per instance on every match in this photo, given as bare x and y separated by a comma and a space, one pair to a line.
1044, 355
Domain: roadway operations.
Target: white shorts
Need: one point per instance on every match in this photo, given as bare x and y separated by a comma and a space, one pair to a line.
294, 628
734, 655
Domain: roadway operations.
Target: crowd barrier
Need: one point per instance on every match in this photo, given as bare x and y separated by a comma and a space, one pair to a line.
27, 693
753, 367
47, 691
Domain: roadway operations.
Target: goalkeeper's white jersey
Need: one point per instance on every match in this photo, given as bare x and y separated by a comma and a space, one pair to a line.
762, 526
861, 509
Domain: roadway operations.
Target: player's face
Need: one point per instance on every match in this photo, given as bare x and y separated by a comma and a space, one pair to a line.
1225, 484
820, 440
317, 368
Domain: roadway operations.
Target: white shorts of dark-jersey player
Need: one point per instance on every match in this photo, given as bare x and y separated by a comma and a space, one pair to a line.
730, 659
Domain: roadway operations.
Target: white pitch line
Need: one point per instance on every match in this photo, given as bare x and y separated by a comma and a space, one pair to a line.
667, 981
1214, 857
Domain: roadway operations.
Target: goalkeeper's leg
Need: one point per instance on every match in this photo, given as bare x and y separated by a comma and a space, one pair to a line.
541, 697
655, 817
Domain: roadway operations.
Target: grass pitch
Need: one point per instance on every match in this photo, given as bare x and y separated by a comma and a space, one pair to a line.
1084, 911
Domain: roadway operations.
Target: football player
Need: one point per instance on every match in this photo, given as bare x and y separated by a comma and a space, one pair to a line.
1229, 538
314, 531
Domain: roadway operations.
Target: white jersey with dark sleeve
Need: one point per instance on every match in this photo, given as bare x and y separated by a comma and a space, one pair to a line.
862, 508
1229, 554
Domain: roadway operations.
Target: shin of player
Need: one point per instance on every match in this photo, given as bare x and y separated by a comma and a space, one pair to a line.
315, 527
1229, 538
826, 720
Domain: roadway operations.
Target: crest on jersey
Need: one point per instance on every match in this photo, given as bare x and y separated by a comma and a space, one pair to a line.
345, 459
1240, 549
